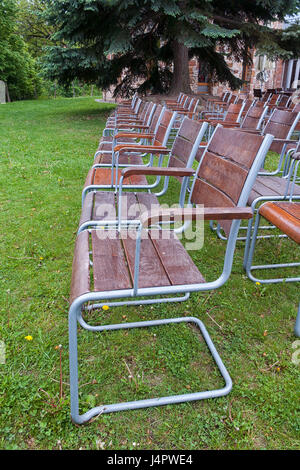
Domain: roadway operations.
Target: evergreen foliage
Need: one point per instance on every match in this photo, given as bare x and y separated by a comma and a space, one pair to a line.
139, 40
17, 67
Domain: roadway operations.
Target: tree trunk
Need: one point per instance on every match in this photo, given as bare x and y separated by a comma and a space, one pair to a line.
7, 94
181, 76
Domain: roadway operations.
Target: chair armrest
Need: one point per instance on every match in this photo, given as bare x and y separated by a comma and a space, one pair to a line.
154, 149
296, 156
285, 141
134, 135
158, 171
207, 213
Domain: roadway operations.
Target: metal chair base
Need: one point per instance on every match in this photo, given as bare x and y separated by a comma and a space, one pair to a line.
80, 419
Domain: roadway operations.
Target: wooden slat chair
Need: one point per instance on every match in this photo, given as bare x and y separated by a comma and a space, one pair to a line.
220, 109
232, 115
128, 205
268, 185
134, 116
141, 125
286, 217
274, 101
112, 121
249, 103
138, 135
179, 100
191, 110
183, 106
282, 125
273, 188
210, 102
126, 104
253, 119
107, 141
130, 111
141, 261
106, 173
267, 95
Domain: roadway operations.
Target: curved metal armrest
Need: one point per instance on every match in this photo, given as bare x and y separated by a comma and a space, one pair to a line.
207, 213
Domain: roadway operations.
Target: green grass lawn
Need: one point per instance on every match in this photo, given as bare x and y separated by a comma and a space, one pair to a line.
46, 149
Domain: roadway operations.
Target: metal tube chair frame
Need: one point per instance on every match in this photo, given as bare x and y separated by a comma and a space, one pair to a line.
284, 222
134, 129
252, 236
128, 127
160, 151
290, 182
155, 121
285, 167
112, 127
227, 114
81, 295
159, 171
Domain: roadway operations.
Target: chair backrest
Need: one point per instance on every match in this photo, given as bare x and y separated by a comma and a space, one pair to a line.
155, 119
144, 106
193, 105
266, 96
164, 127
227, 96
186, 102
149, 113
274, 100
248, 104
234, 112
281, 124
228, 168
183, 152
180, 97
254, 117
296, 108
285, 101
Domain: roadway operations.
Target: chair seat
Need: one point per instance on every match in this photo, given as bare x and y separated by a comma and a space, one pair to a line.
269, 186
285, 216
124, 159
163, 261
106, 143
102, 205
102, 176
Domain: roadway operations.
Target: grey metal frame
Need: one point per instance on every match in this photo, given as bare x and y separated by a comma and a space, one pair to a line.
93, 298
115, 165
249, 267
188, 397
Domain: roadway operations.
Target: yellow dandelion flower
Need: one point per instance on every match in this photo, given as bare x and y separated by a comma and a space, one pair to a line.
29, 338
105, 307
41, 258
257, 283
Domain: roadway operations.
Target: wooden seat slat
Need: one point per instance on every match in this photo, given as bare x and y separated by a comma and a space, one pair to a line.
110, 269
285, 216
152, 272
176, 261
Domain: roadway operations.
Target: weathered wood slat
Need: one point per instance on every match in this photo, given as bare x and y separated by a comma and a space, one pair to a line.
175, 259
110, 268
151, 270
80, 283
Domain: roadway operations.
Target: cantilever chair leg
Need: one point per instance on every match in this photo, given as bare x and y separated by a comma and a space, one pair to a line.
297, 324
75, 314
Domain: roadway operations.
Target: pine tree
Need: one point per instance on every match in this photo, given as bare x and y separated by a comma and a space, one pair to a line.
146, 44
